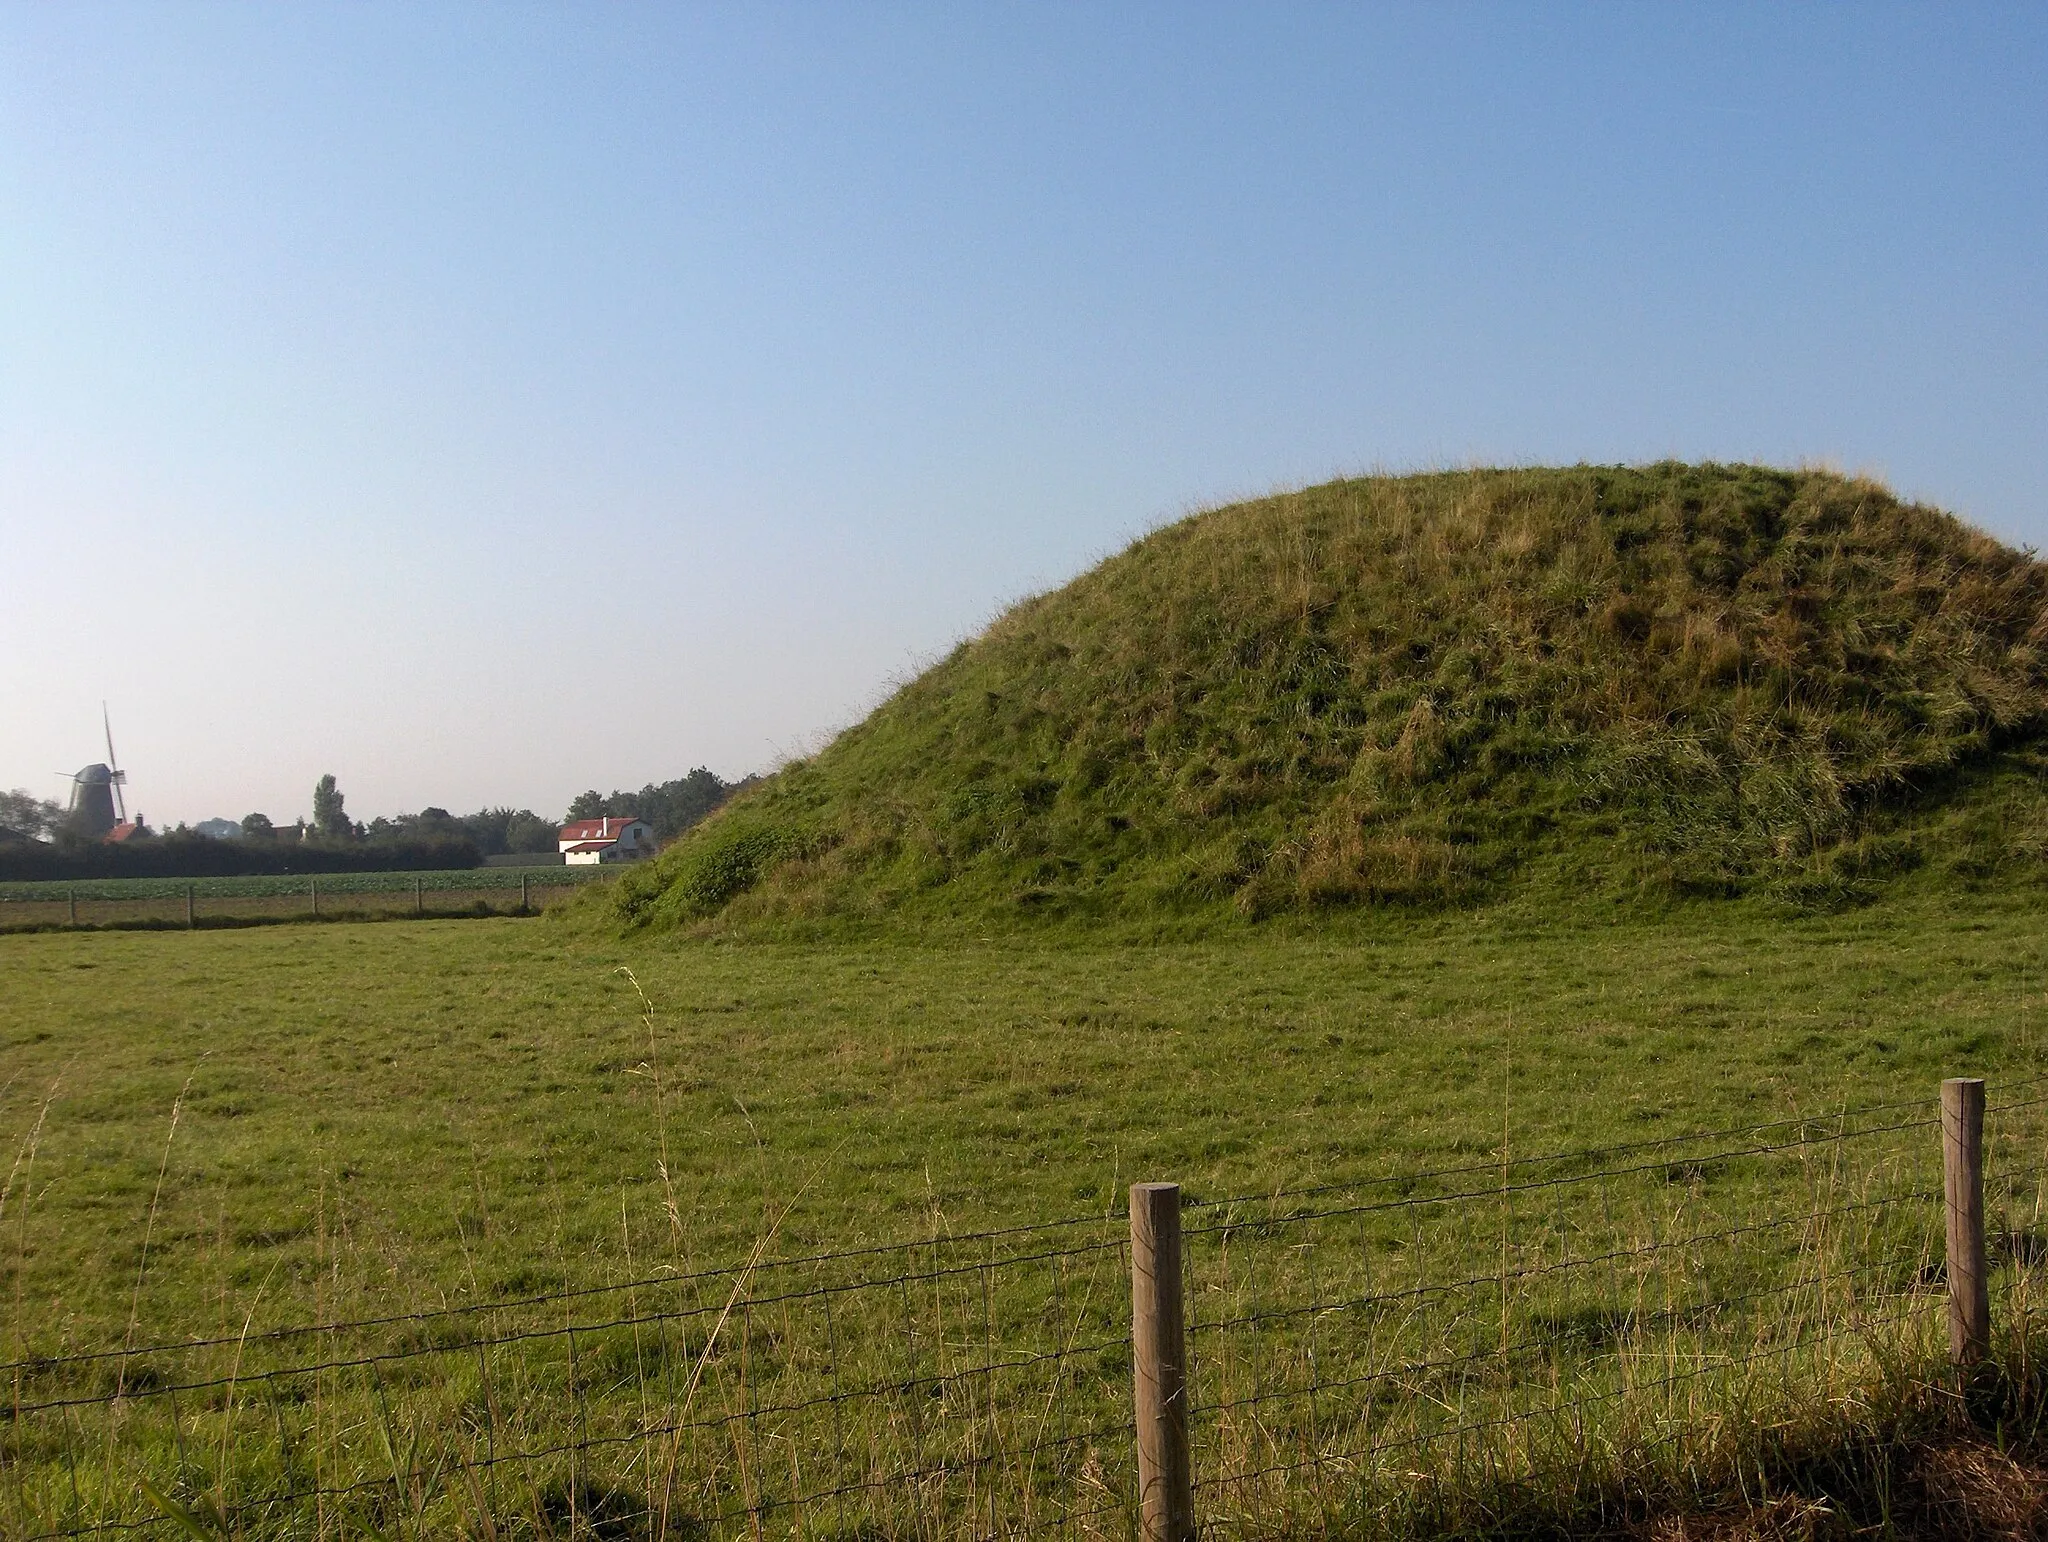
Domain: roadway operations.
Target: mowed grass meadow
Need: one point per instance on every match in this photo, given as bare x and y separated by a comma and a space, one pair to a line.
215, 1134
382, 1117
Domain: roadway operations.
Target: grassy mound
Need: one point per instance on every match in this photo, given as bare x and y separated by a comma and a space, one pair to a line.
1409, 690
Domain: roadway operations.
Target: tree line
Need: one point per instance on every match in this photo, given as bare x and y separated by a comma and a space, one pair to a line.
670, 807
37, 841
188, 854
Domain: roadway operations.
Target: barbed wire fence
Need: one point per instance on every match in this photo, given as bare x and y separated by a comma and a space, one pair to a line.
1413, 1352
201, 904
1570, 1319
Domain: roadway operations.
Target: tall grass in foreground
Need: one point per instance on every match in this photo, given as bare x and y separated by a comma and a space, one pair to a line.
1506, 1346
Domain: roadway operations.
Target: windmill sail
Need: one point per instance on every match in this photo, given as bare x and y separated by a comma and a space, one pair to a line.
115, 778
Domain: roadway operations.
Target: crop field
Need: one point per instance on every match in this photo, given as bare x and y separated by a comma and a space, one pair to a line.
216, 1136
278, 896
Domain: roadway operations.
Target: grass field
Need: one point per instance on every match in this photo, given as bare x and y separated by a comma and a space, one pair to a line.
217, 1133
1528, 913
469, 1101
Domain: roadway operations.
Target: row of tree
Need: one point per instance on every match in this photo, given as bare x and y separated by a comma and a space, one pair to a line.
183, 853
25, 817
670, 807
36, 843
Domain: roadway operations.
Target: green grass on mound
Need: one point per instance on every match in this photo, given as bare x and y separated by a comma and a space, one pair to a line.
1670, 679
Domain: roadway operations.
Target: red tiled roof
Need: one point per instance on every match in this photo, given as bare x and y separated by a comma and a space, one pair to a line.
120, 832
597, 829
590, 846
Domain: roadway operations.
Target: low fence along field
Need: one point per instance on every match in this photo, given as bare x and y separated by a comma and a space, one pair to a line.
326, 896
1561, 1335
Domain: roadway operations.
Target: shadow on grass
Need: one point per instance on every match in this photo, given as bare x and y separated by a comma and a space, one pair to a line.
1965, 1461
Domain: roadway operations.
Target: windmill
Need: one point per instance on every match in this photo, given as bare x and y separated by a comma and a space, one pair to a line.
96, 792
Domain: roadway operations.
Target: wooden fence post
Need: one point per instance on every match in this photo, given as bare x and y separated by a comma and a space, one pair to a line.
314, 885
188, 906
1962, 1183
419, 903
1159, 1363
522, 894
72, 896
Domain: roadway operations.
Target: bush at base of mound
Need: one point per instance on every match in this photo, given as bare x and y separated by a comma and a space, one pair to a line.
1408, 691
703, 875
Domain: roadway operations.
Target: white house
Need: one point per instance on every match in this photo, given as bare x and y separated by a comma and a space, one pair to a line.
590, 841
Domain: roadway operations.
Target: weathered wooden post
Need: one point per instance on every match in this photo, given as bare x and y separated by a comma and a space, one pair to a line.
419, 903
1962, 1183
522, 894
72, 896
313, 886
188, 906
1166, 1504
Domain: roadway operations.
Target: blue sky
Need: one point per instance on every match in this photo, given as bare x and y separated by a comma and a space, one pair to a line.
486, 402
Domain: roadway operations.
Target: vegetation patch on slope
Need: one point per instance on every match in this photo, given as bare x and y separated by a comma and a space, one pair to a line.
1408, 690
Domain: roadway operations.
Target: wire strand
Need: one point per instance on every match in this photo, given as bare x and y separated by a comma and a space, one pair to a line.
1498, 1191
